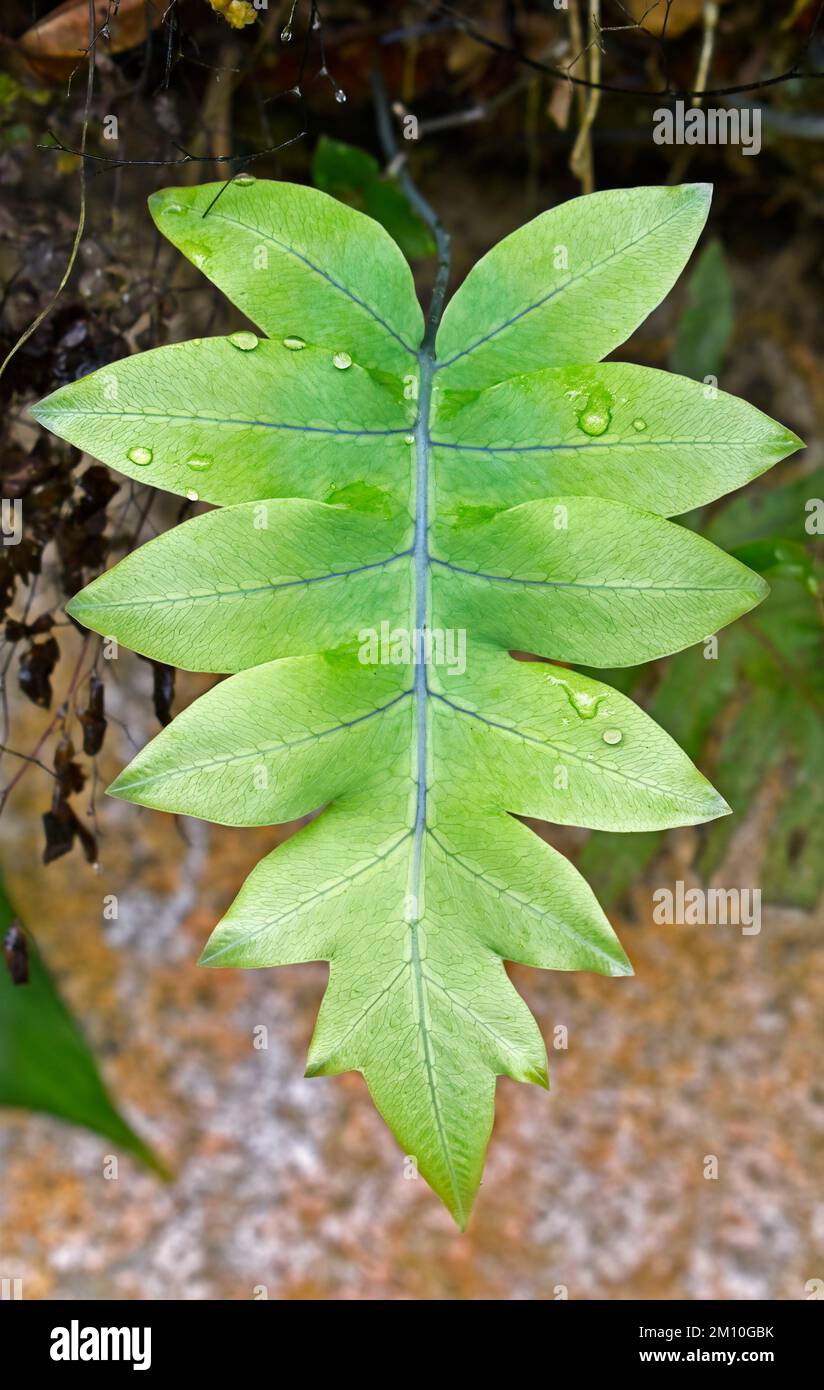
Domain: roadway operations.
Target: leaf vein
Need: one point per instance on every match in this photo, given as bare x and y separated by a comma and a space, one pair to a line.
324, 274
234, 758
558, 748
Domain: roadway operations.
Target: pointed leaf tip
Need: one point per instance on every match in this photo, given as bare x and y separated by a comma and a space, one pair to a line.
701, 190
790, 441
120, 786
539, 1076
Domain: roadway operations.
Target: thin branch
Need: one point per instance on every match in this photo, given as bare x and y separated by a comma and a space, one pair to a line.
466, 26
28, 758
114, 162
56, 718
397, 163
711, 13
580, 161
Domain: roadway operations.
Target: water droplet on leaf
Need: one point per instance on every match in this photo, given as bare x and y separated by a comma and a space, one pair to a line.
612, 736
409, 439
294, 344
584, 704
192, 495
198, 255
140, 456
342, 360
595, 416
198, 464
245, 341
639, 424
245, 179
594, 421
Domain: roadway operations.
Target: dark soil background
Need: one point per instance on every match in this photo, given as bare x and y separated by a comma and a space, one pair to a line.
714, 1047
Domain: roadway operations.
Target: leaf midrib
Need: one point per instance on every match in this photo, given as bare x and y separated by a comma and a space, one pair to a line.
651, 442
607, 586
199, 418
420, 623
230, 759
210, 595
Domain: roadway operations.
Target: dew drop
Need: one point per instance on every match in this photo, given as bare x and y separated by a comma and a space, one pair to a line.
294, 344
639, 424
340, 96
198, 464
245, 341
192, 495
594, 421
596, 413
409, 439
140, 456
286, 35
245, 179
584, 704
342, 360
612, 736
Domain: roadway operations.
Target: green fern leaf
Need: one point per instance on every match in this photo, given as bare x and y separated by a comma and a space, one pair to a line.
395, 519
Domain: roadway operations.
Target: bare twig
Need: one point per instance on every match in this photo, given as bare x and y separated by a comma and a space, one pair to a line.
707, 45
466, 26
397, 161
580, 161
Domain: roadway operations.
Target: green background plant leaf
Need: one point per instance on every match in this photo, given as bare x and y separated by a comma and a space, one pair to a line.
705, 328
46, 1064
764, 693
355, 177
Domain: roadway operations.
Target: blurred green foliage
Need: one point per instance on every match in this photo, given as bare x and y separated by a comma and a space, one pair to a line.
355, 178
706, 324
45, 1062
755, 710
